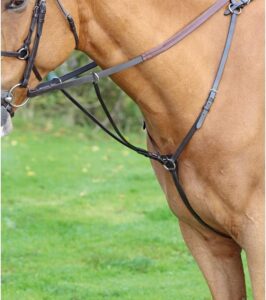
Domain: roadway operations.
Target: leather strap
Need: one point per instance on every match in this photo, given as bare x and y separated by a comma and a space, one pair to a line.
24, 52
51, 86
30, 61
10, 53
180, 35
70, 75
70, 21
170, 162
190, 208
36, 73
118, 136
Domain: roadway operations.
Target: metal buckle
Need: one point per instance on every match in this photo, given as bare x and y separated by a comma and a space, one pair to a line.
240, 4
23, 53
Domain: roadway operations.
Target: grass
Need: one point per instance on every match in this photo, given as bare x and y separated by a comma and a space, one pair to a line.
83, 218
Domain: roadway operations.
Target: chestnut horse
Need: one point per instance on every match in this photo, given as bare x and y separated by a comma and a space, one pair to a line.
222, 168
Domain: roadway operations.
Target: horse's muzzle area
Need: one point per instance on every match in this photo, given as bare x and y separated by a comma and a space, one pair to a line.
6, 122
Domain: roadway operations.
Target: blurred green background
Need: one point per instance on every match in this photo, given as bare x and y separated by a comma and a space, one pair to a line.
83, 217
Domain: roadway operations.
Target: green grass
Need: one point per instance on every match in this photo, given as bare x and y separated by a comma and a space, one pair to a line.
83, 218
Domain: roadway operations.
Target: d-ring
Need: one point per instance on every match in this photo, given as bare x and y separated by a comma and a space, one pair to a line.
236, 11
9, 97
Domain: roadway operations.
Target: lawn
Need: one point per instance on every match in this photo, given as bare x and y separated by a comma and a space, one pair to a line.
84, 218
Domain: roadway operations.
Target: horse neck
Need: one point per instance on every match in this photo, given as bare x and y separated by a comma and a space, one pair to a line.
170, 89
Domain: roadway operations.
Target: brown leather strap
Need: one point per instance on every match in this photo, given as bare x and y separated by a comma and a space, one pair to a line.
50, 86
185, 31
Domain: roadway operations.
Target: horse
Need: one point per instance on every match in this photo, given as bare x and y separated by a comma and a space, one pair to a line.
222, 167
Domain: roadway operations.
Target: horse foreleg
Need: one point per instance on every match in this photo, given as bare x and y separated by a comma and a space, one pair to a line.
220, 261
254, 248
256, 270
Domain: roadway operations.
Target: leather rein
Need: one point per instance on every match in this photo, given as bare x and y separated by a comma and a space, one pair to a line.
170, 162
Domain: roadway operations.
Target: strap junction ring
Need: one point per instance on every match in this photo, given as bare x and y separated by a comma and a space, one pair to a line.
236, 11
169, 164
23, 53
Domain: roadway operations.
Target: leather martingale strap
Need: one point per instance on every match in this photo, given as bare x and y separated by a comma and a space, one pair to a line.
170, 162
179, 36
51, 86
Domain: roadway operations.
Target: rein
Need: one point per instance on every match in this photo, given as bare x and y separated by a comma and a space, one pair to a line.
170, 162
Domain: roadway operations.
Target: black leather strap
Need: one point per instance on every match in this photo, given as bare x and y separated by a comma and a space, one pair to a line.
70, 75
24, 52
52, 86
36, 73
70, 21
118, 136
189, 207
31, 59
10, 53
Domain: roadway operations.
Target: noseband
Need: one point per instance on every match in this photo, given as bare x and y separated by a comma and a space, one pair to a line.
170, 162
28, 53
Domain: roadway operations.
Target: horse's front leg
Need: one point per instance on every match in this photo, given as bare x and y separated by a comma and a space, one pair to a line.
220, 261
218, 257
253, 241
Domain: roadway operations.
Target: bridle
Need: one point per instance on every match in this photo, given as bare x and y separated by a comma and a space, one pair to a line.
170, 162
28, 53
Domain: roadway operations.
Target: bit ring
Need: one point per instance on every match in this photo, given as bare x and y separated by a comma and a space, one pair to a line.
9, 97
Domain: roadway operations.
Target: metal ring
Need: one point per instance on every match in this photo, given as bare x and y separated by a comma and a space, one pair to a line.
20, 105
10, 96
25, 56
10, 92
171, 167
236, 11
